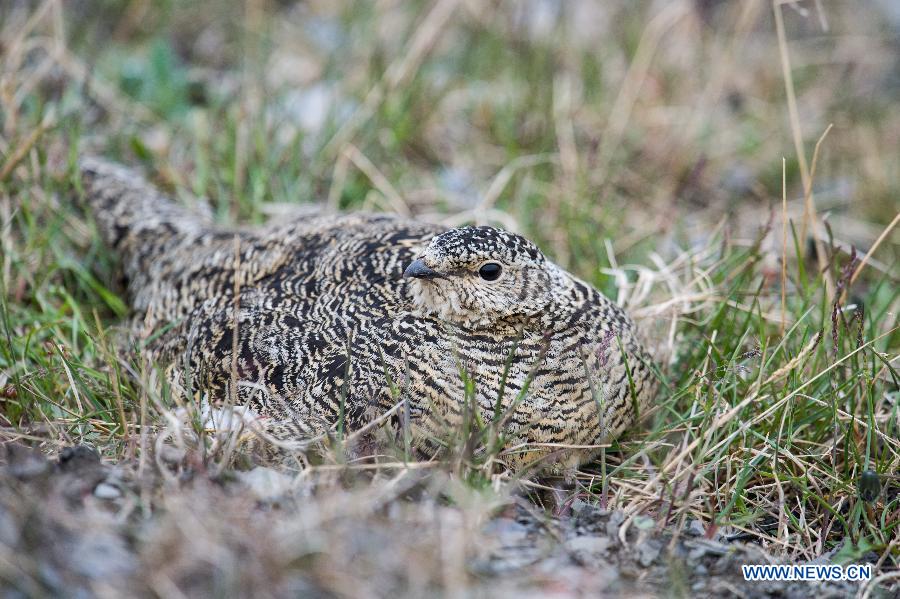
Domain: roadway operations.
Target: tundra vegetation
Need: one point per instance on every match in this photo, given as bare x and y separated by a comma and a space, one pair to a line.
726, 171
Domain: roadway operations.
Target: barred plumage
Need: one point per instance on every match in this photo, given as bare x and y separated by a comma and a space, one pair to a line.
368, 309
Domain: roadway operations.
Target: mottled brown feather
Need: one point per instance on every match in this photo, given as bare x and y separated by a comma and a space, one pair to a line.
315, 292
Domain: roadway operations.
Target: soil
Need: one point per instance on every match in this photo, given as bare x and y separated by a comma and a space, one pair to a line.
76, 526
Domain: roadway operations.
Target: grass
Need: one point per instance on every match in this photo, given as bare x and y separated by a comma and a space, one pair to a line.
642, 151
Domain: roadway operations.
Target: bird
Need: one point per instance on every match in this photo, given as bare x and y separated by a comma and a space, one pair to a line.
329, 322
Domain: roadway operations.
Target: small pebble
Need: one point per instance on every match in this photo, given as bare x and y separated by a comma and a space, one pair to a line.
107, 491
648, 551
589, 544
696, 528
267, 484
696, 553
25, 463
507, 531
578, 506
615, 521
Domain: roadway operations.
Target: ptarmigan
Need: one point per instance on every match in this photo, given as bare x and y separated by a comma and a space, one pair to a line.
340, 317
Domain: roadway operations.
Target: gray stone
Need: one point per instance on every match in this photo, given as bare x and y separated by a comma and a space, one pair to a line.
107, 491
25, 463
267, 484
589, 544
648, 551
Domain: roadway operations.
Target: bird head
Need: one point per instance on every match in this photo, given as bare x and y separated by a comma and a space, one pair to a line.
480, 275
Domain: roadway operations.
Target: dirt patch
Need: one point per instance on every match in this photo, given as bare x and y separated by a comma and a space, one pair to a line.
76, 526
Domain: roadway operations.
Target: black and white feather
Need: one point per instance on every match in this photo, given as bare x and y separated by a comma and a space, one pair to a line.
345, 307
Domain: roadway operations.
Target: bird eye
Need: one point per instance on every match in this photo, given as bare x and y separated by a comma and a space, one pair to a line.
490, 271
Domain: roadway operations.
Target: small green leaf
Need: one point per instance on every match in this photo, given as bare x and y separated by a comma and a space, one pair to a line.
850, 552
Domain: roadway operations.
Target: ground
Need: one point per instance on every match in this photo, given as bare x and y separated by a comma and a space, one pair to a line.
726, 171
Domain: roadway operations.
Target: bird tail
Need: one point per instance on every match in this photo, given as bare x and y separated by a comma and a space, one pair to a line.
133, 217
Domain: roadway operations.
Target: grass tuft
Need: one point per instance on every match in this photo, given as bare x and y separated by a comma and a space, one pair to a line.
659, 155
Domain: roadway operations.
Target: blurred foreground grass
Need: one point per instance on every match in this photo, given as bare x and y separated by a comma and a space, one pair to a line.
640, 144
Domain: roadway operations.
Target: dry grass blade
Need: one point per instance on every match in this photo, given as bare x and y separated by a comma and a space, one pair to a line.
25, 146
636, 143
794, 114
399, 72
868, 256
395, 200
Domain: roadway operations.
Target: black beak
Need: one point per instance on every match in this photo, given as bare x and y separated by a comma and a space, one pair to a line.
418, 270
